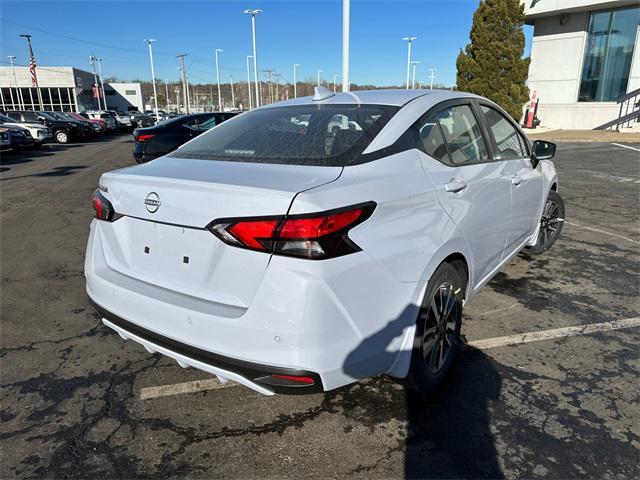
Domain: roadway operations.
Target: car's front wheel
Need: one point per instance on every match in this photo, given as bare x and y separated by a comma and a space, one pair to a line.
62, 136
437, 329
551, 224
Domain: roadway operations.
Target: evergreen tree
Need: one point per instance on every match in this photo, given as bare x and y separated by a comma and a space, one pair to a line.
492, 64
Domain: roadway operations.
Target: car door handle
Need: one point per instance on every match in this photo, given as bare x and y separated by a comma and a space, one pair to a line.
455, 186
516, 180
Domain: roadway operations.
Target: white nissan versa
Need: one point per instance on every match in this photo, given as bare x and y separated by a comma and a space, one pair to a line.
306, 244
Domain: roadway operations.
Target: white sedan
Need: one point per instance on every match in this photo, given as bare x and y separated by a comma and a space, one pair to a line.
310, 243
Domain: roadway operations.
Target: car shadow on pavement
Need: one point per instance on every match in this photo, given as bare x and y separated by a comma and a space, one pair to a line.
448, 432
63, 171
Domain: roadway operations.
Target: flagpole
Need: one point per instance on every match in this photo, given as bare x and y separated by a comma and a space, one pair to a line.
32, 69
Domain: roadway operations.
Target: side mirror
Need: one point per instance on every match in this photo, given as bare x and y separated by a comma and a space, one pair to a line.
41, 119
542, 150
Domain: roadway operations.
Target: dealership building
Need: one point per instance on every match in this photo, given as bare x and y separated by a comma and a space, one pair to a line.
63, 89
585, 56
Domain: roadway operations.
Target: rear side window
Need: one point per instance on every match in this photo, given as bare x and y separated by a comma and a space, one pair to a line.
30, 117
329, 135
463, 135
509, 142
14, 115
433, 142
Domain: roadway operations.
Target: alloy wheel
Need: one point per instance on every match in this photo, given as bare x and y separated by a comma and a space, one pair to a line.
549, 223
441, 327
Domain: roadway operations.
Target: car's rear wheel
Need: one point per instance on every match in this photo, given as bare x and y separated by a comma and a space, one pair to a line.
62, 136
551, 224
437, 329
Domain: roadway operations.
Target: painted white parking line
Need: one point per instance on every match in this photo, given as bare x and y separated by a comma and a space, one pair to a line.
554, 333
626, 146
186, 387
214, 384
602, 231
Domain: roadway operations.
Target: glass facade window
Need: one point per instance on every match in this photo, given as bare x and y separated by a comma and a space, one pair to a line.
609, 50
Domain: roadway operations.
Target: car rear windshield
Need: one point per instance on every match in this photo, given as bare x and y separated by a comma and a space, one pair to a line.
324, 135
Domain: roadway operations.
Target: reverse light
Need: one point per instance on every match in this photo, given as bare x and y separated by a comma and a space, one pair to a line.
102, 208
314, 236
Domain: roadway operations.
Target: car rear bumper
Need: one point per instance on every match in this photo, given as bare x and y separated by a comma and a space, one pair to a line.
337, 321
252, 375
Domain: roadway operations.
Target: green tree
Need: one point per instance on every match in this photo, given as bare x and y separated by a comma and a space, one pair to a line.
492, 65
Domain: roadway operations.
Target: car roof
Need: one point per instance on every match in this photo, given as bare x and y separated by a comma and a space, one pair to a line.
396, 97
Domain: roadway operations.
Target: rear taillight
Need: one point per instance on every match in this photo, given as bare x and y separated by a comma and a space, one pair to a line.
102, 208
313, 236
144, 138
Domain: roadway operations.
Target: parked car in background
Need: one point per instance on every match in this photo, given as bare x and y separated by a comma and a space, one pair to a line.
109, 120
84, 128
88, 128
5, 141
39, 133
140, 120
19, 137
122, 119
168, 135
303, 259
101, 124
62, 130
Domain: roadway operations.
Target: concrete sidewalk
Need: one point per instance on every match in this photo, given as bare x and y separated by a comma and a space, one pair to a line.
607, 136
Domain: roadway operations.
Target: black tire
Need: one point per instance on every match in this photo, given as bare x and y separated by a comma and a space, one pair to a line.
550, 224
437, 336
62, 136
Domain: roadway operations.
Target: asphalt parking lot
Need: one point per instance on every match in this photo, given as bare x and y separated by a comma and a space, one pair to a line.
76, 400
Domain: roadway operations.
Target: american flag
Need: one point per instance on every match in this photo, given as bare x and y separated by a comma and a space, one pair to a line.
32, 67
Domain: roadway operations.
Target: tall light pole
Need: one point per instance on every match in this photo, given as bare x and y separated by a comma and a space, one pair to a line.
166, 93
15, 80
335, 78
184, 82
345, 45
218, 51
177, 92
295, 81
277, 77
233, 95
153, 74
268, 73
409, 41
413, 78
432, 76
253, 13
249, 81
104, 96
319, 72
92, 61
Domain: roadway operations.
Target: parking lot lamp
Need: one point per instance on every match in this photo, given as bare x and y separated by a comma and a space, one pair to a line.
153, 74
295, 81
218, 51
104, 97
253, 13
233, 95
183, 74
335, 78
432, 76
345, 45
413, 80
92, 61
18, 92
319, 72
249, 82
409, 41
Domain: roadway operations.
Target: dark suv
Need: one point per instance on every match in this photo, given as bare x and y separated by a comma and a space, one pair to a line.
63, 131
84, 128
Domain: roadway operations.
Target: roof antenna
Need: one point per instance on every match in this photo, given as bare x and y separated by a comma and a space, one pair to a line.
321, 93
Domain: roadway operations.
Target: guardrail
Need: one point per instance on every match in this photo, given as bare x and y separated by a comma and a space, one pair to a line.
630, 104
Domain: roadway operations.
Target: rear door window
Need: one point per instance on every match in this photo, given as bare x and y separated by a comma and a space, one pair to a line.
30, 117
463, 135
